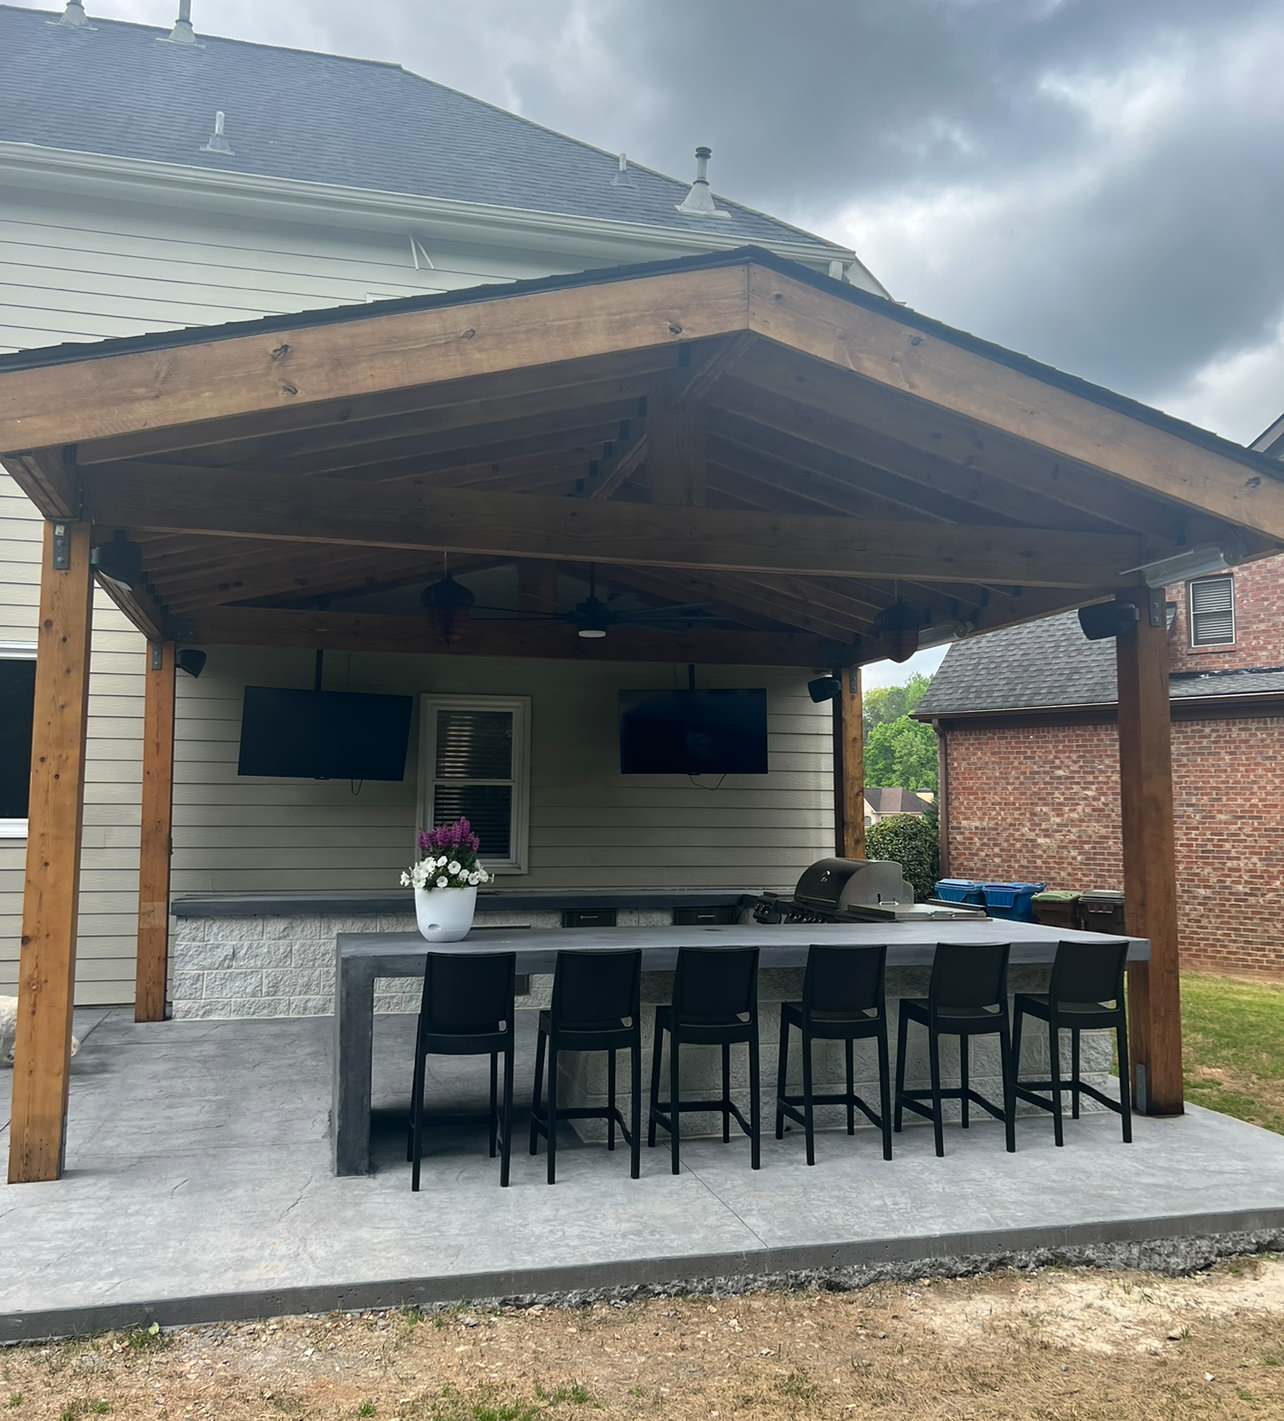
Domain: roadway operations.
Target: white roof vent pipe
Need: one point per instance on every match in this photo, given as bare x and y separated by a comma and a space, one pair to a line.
216, 143
74, 15
622, 176
699, 201
183, 33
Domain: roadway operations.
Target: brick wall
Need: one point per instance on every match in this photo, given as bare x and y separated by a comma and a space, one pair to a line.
1259, 623
1040, 802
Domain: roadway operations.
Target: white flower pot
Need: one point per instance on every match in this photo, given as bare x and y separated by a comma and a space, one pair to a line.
445, 914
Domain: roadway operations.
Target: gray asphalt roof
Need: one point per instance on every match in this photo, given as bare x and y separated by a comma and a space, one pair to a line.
1049, 663
114, 89
893, 800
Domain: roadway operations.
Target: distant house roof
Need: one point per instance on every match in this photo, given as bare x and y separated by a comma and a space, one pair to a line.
1051, 664
895, 801
116, 89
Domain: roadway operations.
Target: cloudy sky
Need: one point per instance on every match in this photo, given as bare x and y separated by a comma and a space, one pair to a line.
1097, 183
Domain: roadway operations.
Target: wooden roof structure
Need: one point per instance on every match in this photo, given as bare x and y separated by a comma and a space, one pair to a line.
831, 474
815, 464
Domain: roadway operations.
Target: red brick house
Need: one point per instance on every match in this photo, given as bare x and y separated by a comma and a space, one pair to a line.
1029, 776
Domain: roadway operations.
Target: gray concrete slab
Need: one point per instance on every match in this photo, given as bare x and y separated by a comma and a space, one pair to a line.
199, 1188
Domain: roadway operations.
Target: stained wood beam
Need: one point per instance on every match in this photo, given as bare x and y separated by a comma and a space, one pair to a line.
47, 961
1149, 858
849, 765
155, 843
49, 480
338, 631
366, 355
139, 606
578, 530
675, 453
992, 395
607, 475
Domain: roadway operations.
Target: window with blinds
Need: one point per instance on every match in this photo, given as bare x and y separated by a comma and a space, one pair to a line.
1212, 611
474, 758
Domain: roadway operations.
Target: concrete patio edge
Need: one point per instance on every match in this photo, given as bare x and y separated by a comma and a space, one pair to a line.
1190, 1241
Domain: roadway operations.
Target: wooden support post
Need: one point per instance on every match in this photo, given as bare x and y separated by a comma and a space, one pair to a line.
1150, 875
675, 448
47, 967
155, 842
849, 766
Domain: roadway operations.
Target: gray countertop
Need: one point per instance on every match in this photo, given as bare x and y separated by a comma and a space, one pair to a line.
496, 900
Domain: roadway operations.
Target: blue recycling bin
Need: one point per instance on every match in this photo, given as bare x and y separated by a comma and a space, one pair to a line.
1014, 901
960, 890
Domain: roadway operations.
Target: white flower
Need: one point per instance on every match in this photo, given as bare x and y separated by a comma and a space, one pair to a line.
474, 879
452, 867
443, 882
405, 880
483, 876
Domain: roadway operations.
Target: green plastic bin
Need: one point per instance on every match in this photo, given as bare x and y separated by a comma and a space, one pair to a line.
1056, 908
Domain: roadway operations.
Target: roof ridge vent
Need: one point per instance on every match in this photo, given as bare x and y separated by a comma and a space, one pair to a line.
216, 143
623, 176
699, 200
73, 16
182, 33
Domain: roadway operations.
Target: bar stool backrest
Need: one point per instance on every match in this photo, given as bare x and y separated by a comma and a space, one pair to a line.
966, 976
844, 981
715, 984
1088, 972
468, 995
596, 989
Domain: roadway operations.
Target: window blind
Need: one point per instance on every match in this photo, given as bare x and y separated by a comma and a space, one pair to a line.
1212, 611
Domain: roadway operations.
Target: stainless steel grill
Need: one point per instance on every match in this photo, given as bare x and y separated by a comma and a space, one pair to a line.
856, 891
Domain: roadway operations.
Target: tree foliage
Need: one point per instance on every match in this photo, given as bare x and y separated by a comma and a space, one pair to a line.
911, 841
901, 752
889, 703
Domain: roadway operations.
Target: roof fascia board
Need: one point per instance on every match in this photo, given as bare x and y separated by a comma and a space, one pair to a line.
1224, 698
493, 221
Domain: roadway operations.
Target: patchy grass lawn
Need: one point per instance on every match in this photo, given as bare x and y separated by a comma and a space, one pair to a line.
1053, 1346
1234, 1046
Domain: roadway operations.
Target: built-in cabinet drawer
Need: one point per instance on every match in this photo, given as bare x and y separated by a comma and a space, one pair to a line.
588, 918
722, 916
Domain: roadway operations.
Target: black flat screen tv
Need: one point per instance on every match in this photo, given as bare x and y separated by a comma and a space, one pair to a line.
323, 735
693, 732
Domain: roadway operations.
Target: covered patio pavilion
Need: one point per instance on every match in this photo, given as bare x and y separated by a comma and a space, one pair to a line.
837, 477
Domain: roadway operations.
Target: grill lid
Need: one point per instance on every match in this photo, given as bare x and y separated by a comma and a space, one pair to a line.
830, 885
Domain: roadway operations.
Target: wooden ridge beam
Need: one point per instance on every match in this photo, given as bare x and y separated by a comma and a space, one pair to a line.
146, 389
339, 631
578, 530
990, 395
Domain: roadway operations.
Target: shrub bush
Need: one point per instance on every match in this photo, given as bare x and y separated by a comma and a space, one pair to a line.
911, 841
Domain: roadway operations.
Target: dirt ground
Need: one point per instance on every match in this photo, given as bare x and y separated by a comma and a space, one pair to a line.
1051, 1345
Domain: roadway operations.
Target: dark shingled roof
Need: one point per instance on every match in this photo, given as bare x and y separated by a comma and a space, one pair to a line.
114, 89
1050, 663
894, 800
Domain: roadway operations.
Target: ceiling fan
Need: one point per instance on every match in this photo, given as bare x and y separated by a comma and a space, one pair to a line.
449, 600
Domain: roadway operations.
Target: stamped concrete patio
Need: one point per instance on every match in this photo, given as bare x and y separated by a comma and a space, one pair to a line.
199, 1188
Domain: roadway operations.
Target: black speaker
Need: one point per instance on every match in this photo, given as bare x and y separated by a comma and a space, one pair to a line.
1107, 619
824, 688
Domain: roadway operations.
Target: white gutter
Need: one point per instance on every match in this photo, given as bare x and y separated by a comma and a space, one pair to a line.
441, 212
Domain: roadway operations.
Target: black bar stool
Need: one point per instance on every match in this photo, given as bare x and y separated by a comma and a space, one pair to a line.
466, 1010
715, 1003
844, 999
968, 996
596, 1007
1086, 978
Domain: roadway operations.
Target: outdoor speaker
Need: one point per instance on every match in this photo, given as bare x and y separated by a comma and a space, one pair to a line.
192, 661
1107, 619
824, 688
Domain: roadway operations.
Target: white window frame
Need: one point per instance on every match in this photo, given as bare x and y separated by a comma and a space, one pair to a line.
519, 707
16, 651
1190, 614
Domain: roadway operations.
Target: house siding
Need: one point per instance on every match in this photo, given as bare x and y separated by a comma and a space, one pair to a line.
1040, 802
81, 266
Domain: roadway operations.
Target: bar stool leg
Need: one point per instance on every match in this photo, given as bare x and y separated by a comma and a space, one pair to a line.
809, 1124
902, 1032
610, 1099
657, 1047
1054, 1056
1074, 1073
934, 1062
1007, 1064
416, 1128
507, 1150
675, 1115
537, 1091
885, 1090
552, 1111
850, 1054
416, 1093
755, 1104
494, 1101
782, 1072
964, 1054
635, 1106
726, 1093
1125, 1076
1018, 1022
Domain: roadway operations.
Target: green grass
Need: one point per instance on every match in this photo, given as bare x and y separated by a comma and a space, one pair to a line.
1233, 1032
